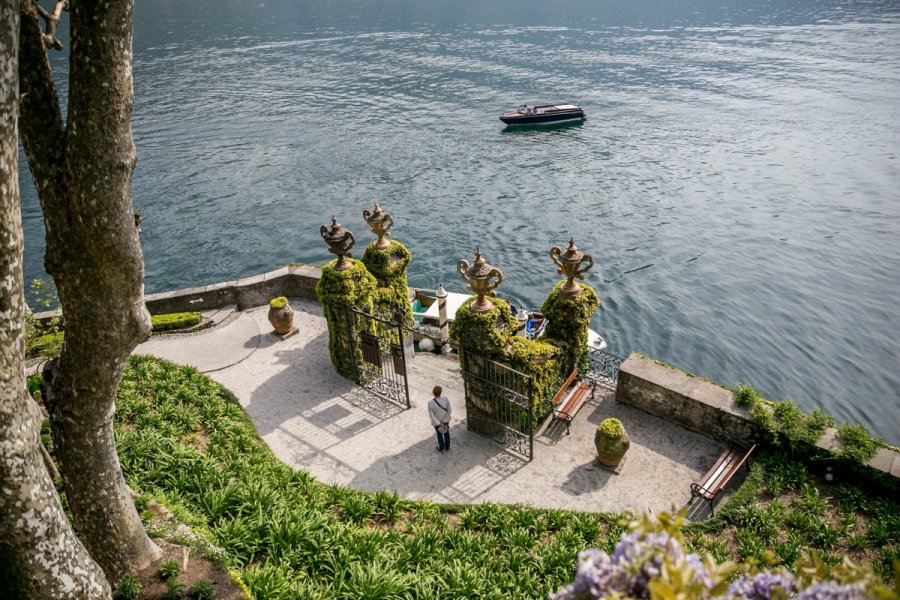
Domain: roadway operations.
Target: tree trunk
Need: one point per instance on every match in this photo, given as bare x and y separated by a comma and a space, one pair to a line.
40, 557
83, 176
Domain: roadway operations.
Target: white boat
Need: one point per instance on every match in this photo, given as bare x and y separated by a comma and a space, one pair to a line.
427, 319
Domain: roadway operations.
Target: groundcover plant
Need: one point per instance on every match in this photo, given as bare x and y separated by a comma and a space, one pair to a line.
186, 443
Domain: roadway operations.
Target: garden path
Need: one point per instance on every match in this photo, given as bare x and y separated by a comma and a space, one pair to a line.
314, 419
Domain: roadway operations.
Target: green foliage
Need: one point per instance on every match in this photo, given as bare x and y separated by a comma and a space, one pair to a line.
173, 321
611, 428
174, 589
34, 382
486, 333
289, 536
746, 396
278, 302
568, 319
48, 345
169, 568
202, 590
856, 442
338, 291
388, 266
128, 587
540, 360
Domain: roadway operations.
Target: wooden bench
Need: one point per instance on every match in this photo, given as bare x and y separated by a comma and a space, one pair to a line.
719, 475
570, 397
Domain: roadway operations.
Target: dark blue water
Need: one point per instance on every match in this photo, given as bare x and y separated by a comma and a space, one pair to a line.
736, 180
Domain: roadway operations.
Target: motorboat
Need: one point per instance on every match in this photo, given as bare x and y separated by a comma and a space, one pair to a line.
532, 325
539, 114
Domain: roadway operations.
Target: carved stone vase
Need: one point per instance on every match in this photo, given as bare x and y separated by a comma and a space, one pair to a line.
611, 450
282, 319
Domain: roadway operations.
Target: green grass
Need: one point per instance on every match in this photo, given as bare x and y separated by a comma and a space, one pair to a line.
185, 442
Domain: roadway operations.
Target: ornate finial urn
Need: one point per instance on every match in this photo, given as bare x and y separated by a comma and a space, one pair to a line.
482, 278
570, 265
380, 223
339, 242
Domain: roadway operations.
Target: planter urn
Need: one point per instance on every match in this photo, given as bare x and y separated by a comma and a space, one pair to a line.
611, 442
281, 316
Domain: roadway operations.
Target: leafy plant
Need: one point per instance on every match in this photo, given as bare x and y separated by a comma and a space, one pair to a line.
128, 588
856, 442
202, 590
612, 428
174, 589
169, 568
746, 396
278, 302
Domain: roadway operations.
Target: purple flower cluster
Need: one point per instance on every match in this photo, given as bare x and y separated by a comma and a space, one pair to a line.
832, 590
761, 586
636, 561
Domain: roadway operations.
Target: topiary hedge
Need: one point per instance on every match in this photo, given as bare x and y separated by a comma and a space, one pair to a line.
568, 319
540, 359
174, 321
337, 291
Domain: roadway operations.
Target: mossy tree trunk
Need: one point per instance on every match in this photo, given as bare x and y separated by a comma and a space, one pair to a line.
83, 176
40, 557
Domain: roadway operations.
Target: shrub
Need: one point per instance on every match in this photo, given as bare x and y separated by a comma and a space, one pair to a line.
612, 428
128, 587
174, 321
279, 302
48, 345
202, 590
169, 568
744, 395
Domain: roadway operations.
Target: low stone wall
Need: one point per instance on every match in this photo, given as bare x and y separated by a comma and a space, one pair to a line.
693, 403
296, 281
701, 406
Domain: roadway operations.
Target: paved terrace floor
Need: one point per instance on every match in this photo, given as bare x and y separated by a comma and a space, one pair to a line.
314, 419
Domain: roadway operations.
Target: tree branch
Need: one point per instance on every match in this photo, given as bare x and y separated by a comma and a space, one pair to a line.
51, 20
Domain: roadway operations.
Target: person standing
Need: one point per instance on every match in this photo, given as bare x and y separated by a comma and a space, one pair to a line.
439, 410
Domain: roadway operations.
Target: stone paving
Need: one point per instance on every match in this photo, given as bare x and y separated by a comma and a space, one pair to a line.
314, 419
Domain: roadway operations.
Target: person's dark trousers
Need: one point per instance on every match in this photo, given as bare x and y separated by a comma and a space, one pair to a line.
443, 439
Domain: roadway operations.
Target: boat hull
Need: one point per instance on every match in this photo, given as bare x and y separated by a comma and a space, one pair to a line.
516, 118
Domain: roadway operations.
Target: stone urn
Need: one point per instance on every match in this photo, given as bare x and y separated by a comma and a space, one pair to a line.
281, 315
611, 442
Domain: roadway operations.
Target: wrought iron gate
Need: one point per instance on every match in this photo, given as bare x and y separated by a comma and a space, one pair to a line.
499, 403
378, 358
603, 367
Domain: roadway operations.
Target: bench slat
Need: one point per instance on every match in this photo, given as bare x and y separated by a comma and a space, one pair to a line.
709, 486
575, 399
565, 388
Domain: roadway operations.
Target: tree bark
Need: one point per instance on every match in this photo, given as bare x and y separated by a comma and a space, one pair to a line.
83, 177
40, 557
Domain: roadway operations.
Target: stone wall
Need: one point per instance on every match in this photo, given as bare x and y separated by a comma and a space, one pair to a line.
707, 408
691, 402
296, 281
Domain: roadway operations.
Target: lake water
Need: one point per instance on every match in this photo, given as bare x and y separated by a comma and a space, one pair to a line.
736, 180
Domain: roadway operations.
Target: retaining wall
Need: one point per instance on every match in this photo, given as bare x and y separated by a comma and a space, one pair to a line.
295, 281
701, 406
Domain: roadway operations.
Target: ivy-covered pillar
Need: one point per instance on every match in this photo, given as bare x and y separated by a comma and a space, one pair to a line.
569, 307
568, 319
388, 266
485, 332
338, 290
345, 283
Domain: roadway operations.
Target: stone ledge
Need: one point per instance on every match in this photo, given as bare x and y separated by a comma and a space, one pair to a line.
709, 409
